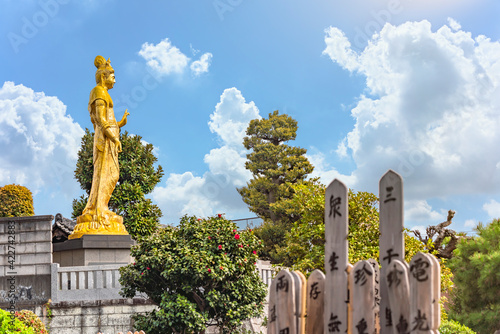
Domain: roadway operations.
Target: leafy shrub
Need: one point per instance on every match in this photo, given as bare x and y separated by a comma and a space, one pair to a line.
15, 201
31, 320
453, 327
8, 326
199, 272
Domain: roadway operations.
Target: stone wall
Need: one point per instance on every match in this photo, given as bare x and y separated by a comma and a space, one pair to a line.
25, 260
91, 317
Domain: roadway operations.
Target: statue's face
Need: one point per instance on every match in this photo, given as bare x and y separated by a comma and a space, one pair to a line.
109, 81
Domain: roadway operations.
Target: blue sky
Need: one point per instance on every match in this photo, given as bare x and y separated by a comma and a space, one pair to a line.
406, 85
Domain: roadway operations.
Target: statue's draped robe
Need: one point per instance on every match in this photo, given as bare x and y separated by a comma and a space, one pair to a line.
96, 218
106, 168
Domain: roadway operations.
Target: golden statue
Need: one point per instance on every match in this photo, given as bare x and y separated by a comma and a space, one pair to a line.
96, 218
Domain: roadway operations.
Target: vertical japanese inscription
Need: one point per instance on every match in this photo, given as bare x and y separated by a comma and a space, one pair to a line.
391, 238
282, 284
333, 262
286, 303
272, 327
314, 293
315, 303
333, 324
362, 326
335, 203
422, 292
399, 294
360, 275
336, 229
419, 270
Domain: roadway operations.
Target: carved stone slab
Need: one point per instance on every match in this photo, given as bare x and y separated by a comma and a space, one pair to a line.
300, 301
421, 294
436, 284
362, 298
315, 302
272, 325
398, 288
336, 229
391, 237
285, 303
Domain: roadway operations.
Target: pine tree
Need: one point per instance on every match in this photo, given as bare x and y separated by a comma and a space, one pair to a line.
476, 267
274, 164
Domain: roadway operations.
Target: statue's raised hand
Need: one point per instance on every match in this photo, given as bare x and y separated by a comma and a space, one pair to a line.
124, 119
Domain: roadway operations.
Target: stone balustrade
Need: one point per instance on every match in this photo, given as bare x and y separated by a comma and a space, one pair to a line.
98, 282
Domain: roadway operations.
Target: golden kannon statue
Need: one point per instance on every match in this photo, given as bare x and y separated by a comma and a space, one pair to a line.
96, 218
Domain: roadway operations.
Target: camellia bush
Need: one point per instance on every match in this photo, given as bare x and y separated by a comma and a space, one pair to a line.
13, 325
31, 320
200, 272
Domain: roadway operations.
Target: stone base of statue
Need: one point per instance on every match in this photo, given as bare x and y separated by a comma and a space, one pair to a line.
103, 223
93, 249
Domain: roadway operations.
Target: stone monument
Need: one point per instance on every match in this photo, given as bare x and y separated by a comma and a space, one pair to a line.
99, 236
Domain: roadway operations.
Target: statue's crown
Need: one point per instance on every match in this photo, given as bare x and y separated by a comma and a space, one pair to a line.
102, 64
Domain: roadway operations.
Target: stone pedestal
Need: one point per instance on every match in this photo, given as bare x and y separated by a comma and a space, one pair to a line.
93, 249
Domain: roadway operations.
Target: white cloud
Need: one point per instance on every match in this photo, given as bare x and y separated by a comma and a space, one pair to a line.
421, 229
166, 59
215, 191
342, 149
492, 208
470, 223
325, 172
420, 210
201, 66
38, 140
454, 24
231, 117
339, 49
430, 111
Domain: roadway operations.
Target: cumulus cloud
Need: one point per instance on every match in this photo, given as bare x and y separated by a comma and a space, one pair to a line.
420, 210
429, 110
338, 48
454, 24
215, 191
325, 171
166, 59
201, 66
470, 223
492, 208
39, 141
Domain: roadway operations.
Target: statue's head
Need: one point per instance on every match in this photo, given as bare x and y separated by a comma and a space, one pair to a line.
104, 69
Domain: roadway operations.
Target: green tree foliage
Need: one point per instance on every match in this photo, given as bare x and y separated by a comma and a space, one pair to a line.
9, 324
275, 167
199, 272
15, 201
305, 243
272, 236
274, 164
138, 177
453, 327
476, 268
